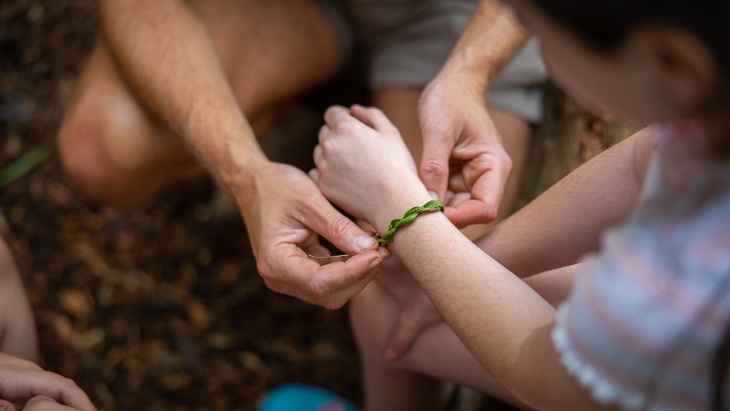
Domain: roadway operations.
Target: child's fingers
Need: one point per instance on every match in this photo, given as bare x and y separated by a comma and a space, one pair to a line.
413, 319
336, 115
70, 394
6, 406
317, 154
373, 118
324, 131
12, 361
43, 403
44, 383
314, 175
401, 339
22, 380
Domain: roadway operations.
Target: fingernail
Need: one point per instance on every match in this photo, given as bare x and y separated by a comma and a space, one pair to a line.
357, 106
365, 242
376, 262
433, 195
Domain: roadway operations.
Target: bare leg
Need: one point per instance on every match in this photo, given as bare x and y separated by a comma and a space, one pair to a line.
117, 152
18, 335
412, 382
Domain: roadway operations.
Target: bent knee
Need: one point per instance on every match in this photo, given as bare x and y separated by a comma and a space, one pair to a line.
102, 156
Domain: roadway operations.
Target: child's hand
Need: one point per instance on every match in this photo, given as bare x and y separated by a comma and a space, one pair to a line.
363, 165
25, 383
39, 403
417, 312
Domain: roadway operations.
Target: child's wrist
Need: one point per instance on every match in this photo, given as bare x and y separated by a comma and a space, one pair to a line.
396, 206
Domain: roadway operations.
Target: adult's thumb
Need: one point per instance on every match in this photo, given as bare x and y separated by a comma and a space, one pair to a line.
326, 221
434, 168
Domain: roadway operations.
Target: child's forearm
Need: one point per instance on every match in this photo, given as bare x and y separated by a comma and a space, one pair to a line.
503, 321
564, 223
499, 318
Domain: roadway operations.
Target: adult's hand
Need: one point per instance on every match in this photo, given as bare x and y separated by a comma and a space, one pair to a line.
417, 312
463, 159
25, 383
284, 214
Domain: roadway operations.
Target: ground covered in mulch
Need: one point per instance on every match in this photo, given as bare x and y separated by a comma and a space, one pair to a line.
155, 308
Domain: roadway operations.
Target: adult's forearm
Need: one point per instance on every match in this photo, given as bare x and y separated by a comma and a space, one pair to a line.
164, 53
565, 222
488, 43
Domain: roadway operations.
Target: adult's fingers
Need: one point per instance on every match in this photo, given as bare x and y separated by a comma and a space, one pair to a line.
373, 118
311, 246
470, 212
327, 285
486, 195
345, 294
457, 198
322, 218
457, 183
434, 167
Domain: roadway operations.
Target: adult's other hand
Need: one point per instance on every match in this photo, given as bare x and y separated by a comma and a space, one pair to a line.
462, 151
284, 214
417, 312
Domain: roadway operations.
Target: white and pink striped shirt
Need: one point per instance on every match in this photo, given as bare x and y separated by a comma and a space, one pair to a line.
647, 312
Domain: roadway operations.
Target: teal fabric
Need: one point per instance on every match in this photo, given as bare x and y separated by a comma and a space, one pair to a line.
300, 397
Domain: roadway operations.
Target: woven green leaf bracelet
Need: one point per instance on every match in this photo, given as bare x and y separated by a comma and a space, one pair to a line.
429, 207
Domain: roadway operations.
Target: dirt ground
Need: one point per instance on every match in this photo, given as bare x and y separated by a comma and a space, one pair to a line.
154, 308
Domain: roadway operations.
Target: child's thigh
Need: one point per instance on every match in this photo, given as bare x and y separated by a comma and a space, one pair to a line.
17, 327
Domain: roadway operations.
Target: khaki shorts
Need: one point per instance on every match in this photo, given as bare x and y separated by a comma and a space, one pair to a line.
408, 41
